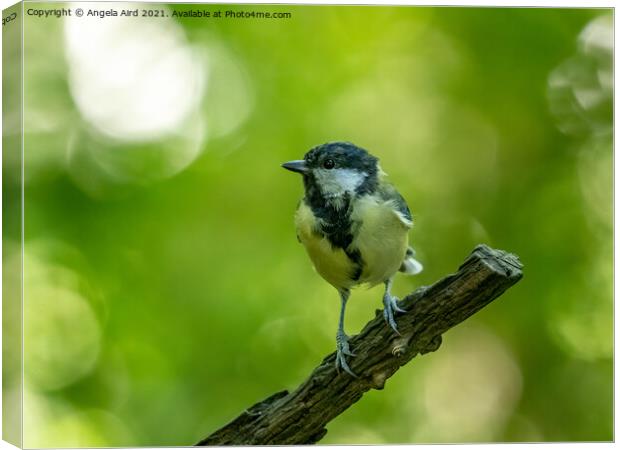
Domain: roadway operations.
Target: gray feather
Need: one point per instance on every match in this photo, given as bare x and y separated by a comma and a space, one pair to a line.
410, 265
389, 193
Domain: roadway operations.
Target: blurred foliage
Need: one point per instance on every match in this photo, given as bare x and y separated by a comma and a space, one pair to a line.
12, 330
165, 290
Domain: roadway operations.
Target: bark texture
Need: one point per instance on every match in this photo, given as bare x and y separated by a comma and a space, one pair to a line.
300, 417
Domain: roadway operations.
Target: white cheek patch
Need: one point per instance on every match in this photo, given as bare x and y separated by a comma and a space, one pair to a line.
336, 182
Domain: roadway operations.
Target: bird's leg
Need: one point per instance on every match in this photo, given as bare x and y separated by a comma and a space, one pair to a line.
390, 305
342, 340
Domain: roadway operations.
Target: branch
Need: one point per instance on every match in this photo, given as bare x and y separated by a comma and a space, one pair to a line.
300, 417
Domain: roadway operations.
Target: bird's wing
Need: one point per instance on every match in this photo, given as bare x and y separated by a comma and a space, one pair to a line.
391, 195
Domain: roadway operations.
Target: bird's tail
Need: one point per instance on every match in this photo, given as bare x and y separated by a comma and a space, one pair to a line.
410, 265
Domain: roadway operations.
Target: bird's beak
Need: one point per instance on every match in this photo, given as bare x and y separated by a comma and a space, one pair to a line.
296, 166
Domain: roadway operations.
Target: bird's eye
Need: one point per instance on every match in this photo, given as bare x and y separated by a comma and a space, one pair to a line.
329, 164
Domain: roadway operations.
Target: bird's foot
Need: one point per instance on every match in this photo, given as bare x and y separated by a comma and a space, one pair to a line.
390, 304
342, 350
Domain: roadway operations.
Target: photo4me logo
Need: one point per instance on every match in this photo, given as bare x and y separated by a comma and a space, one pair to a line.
8, 19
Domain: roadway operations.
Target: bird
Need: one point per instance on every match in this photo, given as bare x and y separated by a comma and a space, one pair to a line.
354, 225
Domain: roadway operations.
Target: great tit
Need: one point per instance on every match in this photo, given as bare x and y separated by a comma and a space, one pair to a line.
354, 226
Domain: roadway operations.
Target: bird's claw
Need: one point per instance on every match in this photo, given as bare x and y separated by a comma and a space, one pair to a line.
396, 307
390, 304
342, 349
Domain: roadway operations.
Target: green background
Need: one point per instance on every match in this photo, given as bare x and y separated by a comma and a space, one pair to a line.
165, 291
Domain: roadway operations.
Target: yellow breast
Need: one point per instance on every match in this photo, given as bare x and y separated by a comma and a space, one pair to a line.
381, 237
330, 262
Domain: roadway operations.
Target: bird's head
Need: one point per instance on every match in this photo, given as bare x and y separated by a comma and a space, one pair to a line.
337, 168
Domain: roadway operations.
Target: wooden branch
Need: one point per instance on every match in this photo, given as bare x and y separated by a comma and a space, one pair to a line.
299, 417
